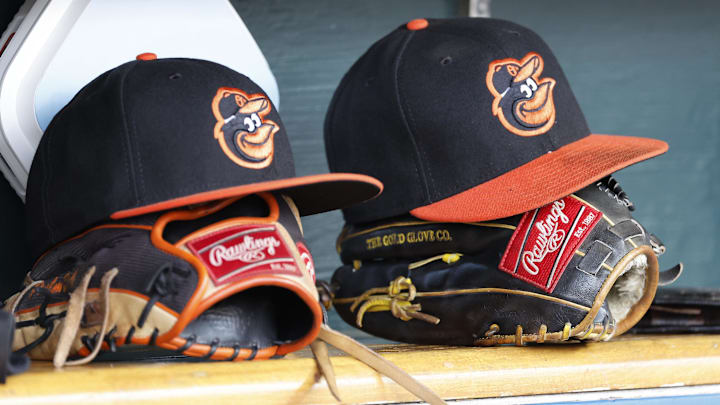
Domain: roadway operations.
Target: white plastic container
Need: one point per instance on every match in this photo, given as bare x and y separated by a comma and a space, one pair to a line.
58, 46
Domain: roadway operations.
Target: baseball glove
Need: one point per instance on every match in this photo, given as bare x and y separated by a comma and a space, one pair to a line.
579, 268
229, 280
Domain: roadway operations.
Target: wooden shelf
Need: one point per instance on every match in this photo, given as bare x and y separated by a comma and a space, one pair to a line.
625, 363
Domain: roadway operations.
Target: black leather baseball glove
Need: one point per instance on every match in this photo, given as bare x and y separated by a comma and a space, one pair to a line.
578, 268
228, 280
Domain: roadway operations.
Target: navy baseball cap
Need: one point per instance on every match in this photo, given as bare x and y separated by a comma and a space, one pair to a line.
156, 134
466, 119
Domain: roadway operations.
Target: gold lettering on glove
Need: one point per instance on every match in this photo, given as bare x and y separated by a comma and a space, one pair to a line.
395, 238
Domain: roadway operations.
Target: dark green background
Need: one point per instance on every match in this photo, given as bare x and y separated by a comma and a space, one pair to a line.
642, 68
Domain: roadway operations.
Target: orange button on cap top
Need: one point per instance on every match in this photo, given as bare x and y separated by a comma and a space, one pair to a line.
146, 56
417, 24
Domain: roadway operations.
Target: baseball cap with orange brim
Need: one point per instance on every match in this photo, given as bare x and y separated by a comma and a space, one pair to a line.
466, 119
156, 134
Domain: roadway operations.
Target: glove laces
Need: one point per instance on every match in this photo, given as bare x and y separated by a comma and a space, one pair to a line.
74, 317
397, 298
361, 352
364, 354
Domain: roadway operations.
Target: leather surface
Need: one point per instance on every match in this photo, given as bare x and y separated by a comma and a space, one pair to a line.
259, 317
466, 317
155, 286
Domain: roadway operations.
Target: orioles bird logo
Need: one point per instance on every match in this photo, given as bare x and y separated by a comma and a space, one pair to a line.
244, 134
523, 101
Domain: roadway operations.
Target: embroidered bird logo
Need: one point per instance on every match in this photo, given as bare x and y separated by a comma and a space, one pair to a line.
242, 130
523, 101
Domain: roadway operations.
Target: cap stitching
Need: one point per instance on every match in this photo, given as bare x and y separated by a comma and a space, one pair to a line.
418, 161
141, 175
411, 125
44, 189
45, 157
154, 196
128, 147
499, 50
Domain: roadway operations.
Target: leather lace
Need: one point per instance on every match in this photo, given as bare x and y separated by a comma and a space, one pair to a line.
397, 298
364, 354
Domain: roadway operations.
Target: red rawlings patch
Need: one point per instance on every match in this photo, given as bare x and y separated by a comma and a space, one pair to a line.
545, 241
245, 250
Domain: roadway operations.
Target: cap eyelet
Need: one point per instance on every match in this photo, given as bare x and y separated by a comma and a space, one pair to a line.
175, 76
417, 24
146, 56
446, 60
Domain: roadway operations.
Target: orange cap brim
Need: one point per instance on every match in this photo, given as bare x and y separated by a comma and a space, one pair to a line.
543, 180
312, 194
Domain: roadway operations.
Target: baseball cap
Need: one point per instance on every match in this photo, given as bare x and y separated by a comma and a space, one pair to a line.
466, 119
51, 49
155, 134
